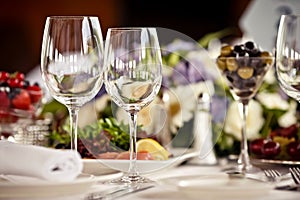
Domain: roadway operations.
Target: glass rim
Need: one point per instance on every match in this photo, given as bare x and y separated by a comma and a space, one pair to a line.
248, 57
290, 15
71, 16
131, 28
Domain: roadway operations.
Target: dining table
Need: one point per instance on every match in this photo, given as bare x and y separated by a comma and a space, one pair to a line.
185, 176
197, 181
185, 181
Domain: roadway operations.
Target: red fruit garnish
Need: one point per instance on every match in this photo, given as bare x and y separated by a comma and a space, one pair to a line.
20, 76
13, 82
293, 149
4, 76
256, 146
5, 103
270, 149
35, 93
22, 100
288, 132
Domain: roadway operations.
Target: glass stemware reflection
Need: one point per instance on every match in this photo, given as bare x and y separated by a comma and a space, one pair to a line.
288, 55
244, 76
71, 62
133, 79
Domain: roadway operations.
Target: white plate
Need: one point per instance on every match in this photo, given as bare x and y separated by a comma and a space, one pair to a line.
102, 166
218, 186
96, 167
24, 187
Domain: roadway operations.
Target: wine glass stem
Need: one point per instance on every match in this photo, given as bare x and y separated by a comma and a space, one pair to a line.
244, 160
132, 171
73, 111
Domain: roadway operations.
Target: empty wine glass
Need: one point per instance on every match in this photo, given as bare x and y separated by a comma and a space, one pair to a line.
244, 74
132, 78
288, 55
71, 62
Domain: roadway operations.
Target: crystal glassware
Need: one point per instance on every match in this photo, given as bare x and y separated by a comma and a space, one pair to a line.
133, 78
72, 62
244, 75
288, 55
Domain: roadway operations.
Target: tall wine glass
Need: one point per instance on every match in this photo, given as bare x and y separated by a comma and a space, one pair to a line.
288, 55
133, 79
244, 75
71, 62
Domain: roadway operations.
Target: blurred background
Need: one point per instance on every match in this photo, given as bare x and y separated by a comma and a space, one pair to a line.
22, 22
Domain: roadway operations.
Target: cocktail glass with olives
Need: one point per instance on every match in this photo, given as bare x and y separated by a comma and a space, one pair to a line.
244, 67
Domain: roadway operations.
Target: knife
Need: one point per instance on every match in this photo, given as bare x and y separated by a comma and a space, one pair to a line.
289, 187
126, 190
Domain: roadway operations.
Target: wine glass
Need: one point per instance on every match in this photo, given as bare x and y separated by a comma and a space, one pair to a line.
132, 78
288, 55
244, 75
71, 62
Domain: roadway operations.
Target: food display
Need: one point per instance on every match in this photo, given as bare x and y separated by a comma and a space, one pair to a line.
18, 96
281, 144
244, 66
108, 139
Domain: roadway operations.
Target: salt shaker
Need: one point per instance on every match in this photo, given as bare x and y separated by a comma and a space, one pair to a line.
203, 132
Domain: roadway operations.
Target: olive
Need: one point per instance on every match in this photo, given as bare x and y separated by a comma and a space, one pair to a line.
249, 45
226, 50
239, 50
245, 72
231, 64
268, 57
221, 62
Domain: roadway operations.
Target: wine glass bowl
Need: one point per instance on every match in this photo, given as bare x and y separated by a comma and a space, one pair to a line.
132, 78
71, 62
244, 75
288, 55
244, 67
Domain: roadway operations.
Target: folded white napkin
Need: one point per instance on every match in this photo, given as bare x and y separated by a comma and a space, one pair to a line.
40, 162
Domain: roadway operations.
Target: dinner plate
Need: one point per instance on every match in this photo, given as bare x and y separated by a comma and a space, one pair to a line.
274, 162
102, 166
96, 167
27, 187
217, 186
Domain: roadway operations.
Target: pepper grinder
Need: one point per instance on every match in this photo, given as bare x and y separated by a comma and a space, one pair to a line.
203, 132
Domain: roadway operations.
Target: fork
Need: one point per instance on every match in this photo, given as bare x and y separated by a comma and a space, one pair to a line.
272, 174
295, 172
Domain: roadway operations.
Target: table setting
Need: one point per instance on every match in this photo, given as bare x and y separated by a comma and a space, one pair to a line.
145, 119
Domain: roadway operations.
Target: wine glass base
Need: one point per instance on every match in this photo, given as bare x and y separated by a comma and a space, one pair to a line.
242, 169
131, 180
247, 169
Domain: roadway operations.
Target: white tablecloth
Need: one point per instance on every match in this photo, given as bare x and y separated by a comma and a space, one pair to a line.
165, 192
169, 192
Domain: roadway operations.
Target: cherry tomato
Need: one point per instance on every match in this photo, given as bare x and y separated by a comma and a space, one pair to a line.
13, 82
4, 76
20, 76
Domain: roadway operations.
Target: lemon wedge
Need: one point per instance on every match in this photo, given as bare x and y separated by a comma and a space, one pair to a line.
153, 147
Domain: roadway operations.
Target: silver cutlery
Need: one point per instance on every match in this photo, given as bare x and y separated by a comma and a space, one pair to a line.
295, 185
259, 176
272, 175
295, 172
118, 192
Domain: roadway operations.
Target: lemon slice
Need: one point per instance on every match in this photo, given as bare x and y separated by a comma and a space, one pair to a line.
153, 147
